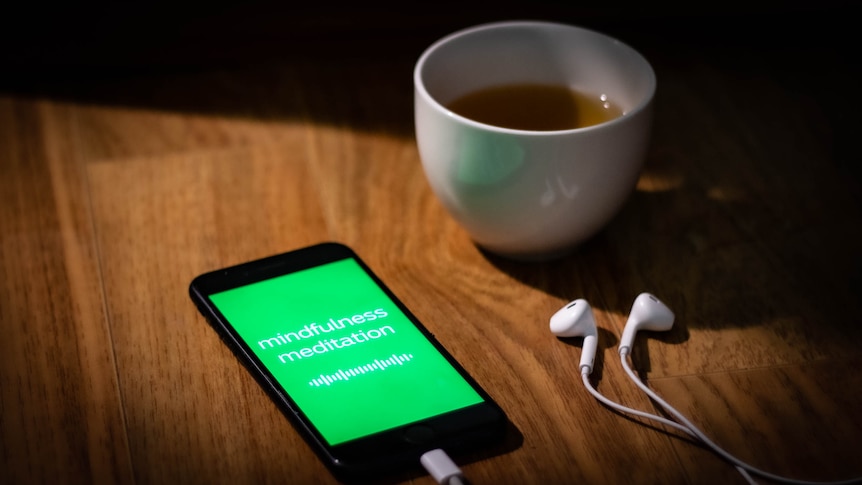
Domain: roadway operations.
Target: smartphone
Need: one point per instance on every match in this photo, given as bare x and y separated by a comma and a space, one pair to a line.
365, 383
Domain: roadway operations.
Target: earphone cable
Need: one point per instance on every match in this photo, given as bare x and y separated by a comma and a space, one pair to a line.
705, 440
628, 410
654, 417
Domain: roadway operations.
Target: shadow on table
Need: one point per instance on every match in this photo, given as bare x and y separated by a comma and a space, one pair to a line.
754, 195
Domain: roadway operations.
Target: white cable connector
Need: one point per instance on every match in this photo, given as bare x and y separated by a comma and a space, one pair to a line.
442, 468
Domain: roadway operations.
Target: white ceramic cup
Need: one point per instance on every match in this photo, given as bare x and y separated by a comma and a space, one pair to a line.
532, 195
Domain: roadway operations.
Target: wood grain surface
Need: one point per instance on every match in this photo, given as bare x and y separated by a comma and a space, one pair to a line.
118, 187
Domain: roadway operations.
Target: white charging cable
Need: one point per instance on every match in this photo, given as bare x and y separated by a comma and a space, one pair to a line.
442, 468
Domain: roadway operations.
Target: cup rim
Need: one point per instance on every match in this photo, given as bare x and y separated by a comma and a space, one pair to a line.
419, 85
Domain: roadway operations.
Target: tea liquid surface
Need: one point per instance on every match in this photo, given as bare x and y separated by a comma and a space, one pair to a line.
534, 107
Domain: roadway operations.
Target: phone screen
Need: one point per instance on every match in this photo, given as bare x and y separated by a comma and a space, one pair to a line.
349, 358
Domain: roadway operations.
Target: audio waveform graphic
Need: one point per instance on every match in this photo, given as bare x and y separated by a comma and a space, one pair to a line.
347, 374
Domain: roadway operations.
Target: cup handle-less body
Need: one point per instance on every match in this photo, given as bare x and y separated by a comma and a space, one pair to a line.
530, 194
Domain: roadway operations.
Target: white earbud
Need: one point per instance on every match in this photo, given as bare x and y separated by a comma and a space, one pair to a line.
576, 320
648, 313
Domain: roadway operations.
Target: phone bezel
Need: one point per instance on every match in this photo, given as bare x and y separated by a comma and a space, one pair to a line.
457, 431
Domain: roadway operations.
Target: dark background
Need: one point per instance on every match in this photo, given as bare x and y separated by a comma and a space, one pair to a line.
168, 55
45, 44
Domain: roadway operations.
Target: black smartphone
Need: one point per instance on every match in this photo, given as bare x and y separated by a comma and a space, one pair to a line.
367, 385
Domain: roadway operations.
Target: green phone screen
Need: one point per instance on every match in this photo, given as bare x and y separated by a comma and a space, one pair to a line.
346, 354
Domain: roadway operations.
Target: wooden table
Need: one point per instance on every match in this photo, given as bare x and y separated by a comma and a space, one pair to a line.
119, 186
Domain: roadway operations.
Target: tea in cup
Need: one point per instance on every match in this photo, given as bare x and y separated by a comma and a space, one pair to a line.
532, 134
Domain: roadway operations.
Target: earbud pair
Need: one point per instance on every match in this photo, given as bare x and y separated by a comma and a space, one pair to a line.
648, 313
576, 320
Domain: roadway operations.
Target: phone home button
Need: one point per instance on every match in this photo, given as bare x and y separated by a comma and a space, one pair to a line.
418, 434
